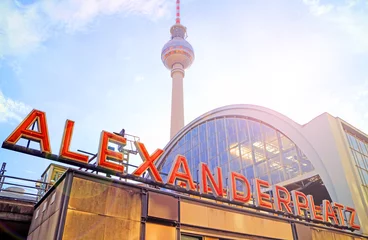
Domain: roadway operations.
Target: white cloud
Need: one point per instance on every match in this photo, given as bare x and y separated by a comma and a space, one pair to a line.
30, 172
351, 17
11, 109
317, 8
24, 28
138, 78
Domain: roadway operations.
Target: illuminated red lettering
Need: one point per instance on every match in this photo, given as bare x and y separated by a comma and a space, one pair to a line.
234, 196
148, 162
299, 205
281, 203
313, 210
351, 219
23, 131
65, 145
184, 176
205, 174
108, 158
328, 212
261, 197
339, 214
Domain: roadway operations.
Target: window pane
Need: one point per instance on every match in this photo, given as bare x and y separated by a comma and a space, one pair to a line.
221, 136
305, 164
285, 142
364, 174
186, 237
261, 169
349, 139
277, 176
166, 167
362, 148
361, 160
225, 169
257, 142
354, 143
243, 130
195, 158
272, 145
188, 136
246, 154
274, 163
365, 162
255, 131
265, 178
291, 163
223, 158
211, 131
259, 154
235, 165
203, 157
181, 141
249, 173
231, 131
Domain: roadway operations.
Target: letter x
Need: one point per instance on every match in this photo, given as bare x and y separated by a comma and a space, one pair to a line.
148, 162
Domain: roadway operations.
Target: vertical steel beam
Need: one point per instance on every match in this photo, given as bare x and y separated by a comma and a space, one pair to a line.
178, 225
144, 213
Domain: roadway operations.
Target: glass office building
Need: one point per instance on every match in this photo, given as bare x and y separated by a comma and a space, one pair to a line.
327, 157
242, 145
359, 151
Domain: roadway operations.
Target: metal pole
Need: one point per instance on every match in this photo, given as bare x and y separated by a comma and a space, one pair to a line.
32, 128
2, 177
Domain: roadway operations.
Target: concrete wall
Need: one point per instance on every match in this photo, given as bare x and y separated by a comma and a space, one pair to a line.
46, 215
15, 218
101, 211
85, 206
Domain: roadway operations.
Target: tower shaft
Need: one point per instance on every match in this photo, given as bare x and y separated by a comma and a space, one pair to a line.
177, 55
177, 100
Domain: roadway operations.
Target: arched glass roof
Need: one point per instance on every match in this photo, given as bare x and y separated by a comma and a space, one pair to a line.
237, 144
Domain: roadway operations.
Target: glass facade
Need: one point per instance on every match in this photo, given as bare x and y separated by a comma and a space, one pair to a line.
240, 145
359, 150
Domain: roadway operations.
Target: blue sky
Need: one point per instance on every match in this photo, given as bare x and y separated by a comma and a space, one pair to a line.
98, 63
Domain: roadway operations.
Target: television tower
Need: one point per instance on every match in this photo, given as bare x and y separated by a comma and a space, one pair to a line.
177, 55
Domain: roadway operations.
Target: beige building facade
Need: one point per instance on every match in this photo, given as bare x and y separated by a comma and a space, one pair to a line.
88, 206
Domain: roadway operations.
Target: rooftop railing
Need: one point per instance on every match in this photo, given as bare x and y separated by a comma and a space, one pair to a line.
24, 189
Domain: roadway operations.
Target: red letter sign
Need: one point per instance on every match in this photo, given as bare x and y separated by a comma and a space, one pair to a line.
328, 212
104, 153
299, 205
312, 208
351, 220
259, 196
65, 144
23, 131
340, 216
204, 174
148, 162
184, 176
234, 196
281, 203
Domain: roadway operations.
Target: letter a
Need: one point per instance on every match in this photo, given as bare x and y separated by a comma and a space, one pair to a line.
23, 131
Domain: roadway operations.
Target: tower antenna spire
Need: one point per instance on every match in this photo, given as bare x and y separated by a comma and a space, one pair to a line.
177, 11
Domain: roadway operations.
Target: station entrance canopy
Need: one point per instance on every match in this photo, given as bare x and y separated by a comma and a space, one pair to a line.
279, 200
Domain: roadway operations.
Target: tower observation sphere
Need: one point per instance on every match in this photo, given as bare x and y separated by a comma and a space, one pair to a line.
177, 55
177, 50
